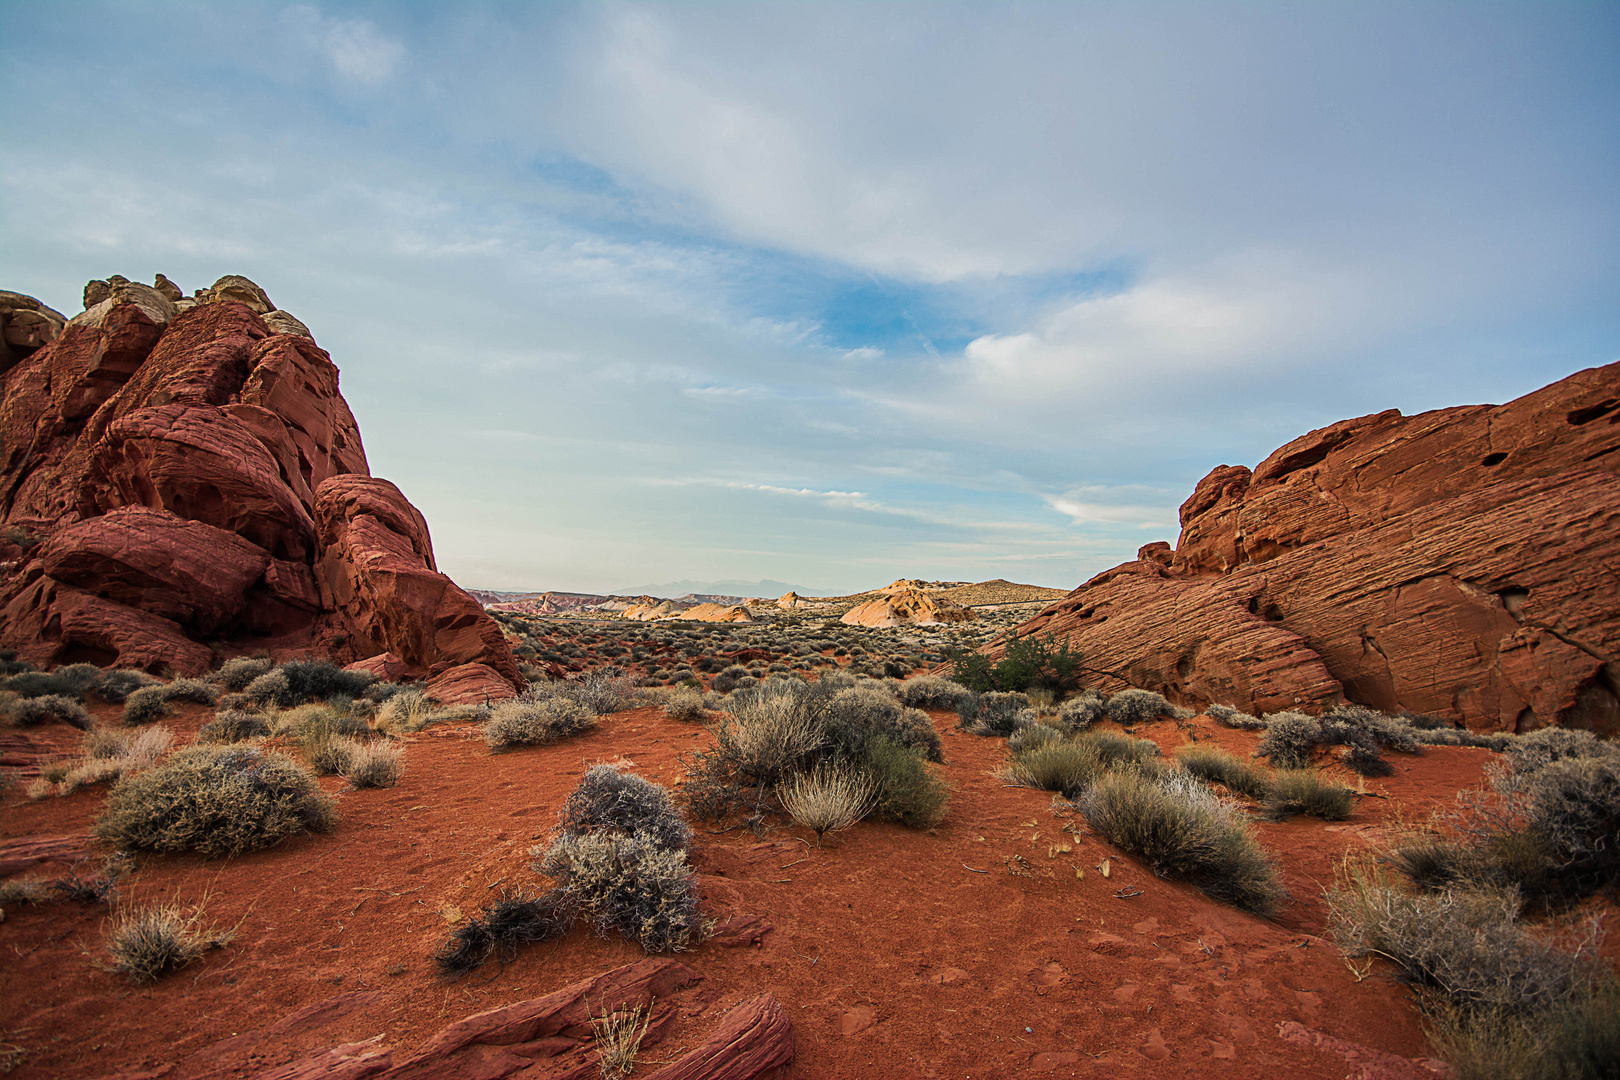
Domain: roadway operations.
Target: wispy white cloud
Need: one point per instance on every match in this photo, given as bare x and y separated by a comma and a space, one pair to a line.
356, 49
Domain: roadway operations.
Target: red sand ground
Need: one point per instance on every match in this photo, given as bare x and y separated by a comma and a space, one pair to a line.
896, 953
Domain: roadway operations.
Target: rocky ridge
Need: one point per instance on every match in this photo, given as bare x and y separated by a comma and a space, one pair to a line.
182, 481
1463, 562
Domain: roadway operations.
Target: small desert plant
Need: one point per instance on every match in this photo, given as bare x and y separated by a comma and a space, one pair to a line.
1301, 791
685, 704
618, 1040
38, 710
329, 754
1079, 713
1113, 748
1182, 831
1067, 768
631, 884
1031, 736
613, 801
1216, 766
110, 754
233, 725
374, 764
235, 675
215, 800
854, 716
932, 692
996, 713
114, 686
1131, 707
830, 799
502, 928
908, 791
195, 691
599, 691
536, 723
1232, 718
145, 706
150, 942
1291, 739
769, 734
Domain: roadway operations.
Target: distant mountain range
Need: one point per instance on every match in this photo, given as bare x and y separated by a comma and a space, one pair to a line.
767, 588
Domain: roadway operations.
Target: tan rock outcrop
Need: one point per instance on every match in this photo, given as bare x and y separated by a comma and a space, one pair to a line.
901, 605
1458, 562
650, 612
716, 613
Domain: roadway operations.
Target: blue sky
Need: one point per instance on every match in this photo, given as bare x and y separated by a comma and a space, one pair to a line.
836, 293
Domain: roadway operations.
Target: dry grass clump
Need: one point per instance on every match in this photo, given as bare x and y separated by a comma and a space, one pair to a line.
1067, 768
375, 764
150, 942
618, 1040
1301, 791
1182, 831
1217, 766
1030, 736
218, 801
1114, 748
685, 703
234, 725
522, 722
110, 754
830, 799
1079, 713
908, 791
992, 715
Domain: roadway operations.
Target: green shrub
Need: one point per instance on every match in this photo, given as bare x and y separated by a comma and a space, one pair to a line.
536, 723
1131, 707
26, 712
215, 800
1232, 718
631, 884
1301, 791
1216, 766
1113, 748
1064, 767
855, 716
1291, 739
1031, 736
1025, 663
931, 692
115, 686
1079, 713
908, 791
1183, 831
235, 675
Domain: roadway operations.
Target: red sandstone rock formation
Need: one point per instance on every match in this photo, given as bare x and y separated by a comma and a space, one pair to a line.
196, 475
1463, 562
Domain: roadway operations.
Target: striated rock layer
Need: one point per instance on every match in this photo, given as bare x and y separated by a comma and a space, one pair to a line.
180, 471
1463, 562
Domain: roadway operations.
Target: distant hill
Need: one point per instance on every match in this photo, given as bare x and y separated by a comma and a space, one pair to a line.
674, 589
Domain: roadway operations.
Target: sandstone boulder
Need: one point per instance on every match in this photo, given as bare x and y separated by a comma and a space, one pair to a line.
904, 606
281, 322
1456, 563
26, 325
716, 613
196, 476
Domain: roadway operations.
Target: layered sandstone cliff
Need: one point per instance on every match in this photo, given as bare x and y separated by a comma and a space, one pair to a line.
182, 480
1463, 562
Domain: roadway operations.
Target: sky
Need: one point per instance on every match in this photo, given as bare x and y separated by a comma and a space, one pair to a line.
837, 293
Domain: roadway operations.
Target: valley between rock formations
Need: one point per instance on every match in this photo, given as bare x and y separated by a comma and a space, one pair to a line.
184, 485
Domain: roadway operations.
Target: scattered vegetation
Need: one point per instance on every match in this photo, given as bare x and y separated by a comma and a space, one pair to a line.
218, 801
1302, 791
1217, 766
1181, 830
527, 722
1232, 718
148, 943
